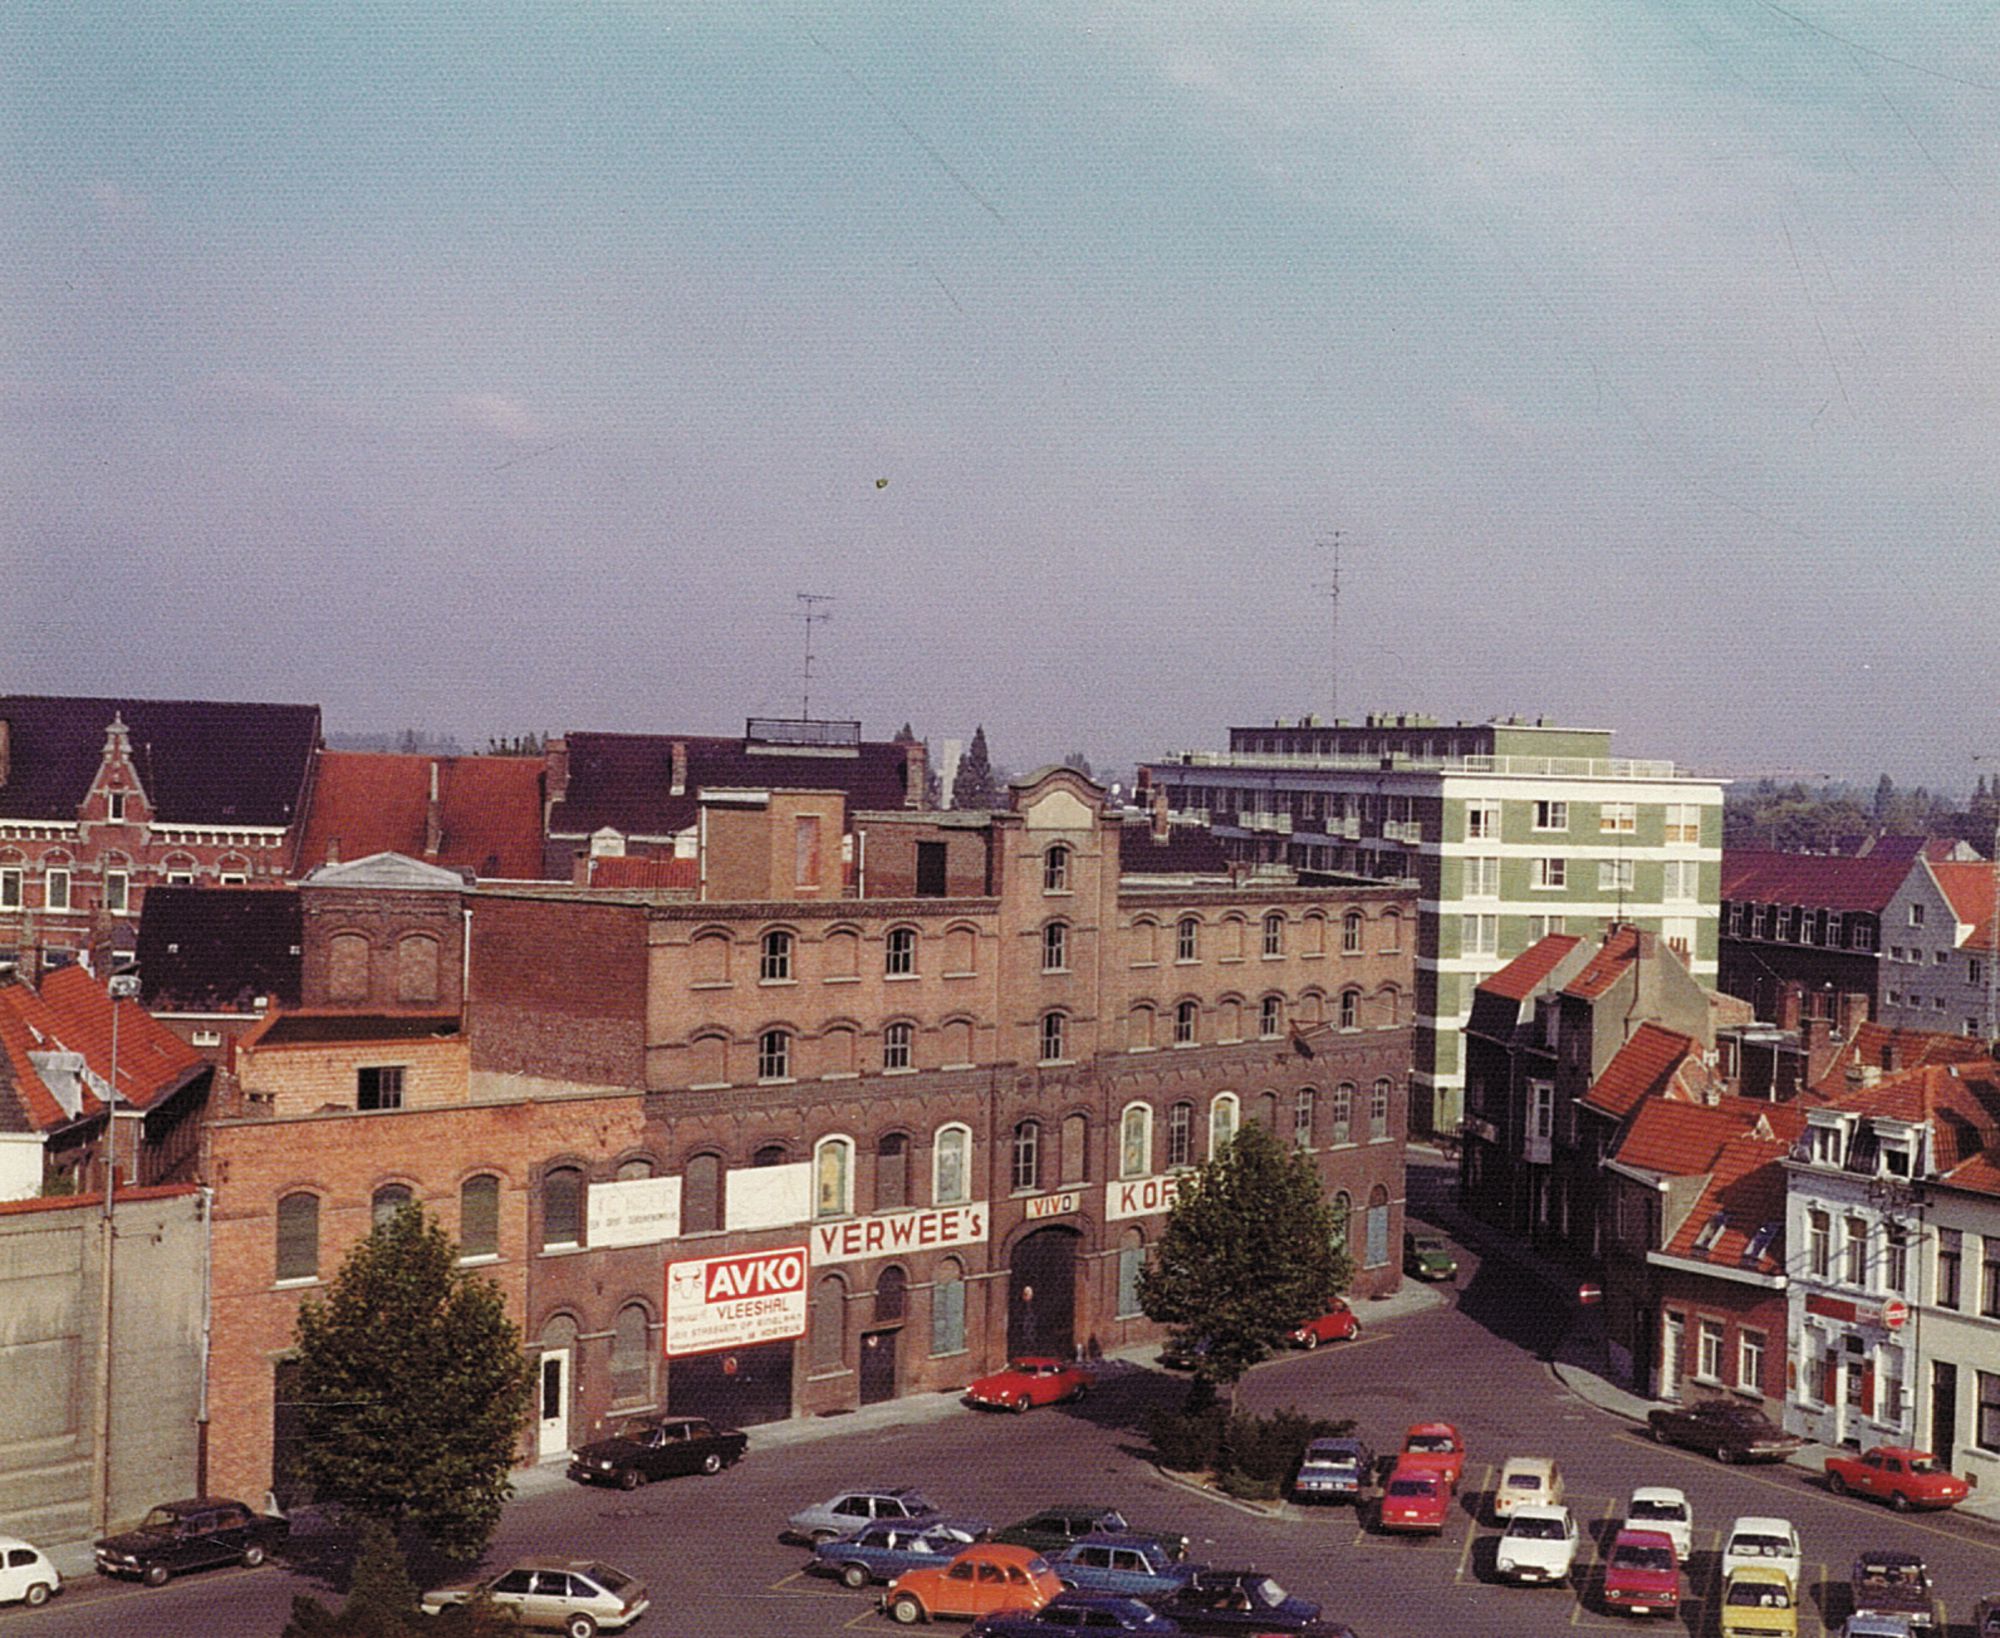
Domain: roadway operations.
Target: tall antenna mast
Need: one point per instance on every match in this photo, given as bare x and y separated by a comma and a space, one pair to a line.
1330, 545
812, 616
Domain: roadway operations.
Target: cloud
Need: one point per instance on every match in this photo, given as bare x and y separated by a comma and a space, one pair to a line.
494, 412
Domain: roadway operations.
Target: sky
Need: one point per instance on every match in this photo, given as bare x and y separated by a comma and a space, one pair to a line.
511, 368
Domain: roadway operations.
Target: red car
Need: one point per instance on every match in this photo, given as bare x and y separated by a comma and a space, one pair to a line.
1032, 1380
1337, 1324
1415, 1500
1902, 1478
1437, 1446
1643, 1574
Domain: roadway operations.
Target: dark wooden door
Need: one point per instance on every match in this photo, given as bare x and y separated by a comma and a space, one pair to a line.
1041, 1294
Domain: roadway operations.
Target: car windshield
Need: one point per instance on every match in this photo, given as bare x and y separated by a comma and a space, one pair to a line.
1876, 1577
161, 1518
1760, 1547
1329, 1458
1412, 1487
1536, 1529
1524, 1481
1644, 1509
1430, 1444
1643, 1558
612, 1581
1265, 1591
1757, 1595
639, 1432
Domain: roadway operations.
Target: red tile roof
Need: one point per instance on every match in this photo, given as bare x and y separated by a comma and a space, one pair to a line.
1685, 1139
1746, 1189
72, 1013
1621, 947
1817, 881
1979, 1175
1522, 976
1878, 1046
489, 810
634, 872
1969, 887
1645, 1066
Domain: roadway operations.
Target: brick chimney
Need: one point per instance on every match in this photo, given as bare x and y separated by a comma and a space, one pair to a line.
1162, 825
916, 774
433, 818
555, 773
1820, 1046
678, 784
1850, 1013
1791, 1005
6, 749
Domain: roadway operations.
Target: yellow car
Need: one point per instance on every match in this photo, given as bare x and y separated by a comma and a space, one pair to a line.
1759, 1603
1527, 1481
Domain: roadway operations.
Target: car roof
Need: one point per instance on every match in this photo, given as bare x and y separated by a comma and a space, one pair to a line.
1118, 1538
1430, 1427
16, 1541
1338, 1441
1662, 1493
1889, 1558
1762, 1524
1899, 1450
1759, 1572
1541, 1510
555, 1561
1645, 1538
1528, 1464
1002, 1552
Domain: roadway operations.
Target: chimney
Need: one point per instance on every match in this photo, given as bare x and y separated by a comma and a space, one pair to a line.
1791, 1004
433, 818
1162, 826
1850, 1013
332, 850
555, 773
1821, 1046
916, 774
679, 784
6, 749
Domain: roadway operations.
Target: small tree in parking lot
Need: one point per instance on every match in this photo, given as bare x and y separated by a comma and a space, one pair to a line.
1251, 1249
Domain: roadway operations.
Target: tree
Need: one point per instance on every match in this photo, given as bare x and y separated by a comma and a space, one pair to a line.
413, 1385
1078, 761
974, 787
1250, 1249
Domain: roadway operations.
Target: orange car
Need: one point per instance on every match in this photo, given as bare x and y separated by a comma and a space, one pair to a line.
1437, 1446
986, 1577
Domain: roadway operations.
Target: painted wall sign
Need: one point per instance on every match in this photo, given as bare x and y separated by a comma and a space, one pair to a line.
1140, 1196
1054, 1205
736, 1302
636, 1212
938, 1229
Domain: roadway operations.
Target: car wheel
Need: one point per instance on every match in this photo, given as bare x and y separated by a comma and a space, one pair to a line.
156, 1575
1310, 1341
37, 1595
628, 1478
854, 1576
1021, 1404
712, 1463
1900, 1501
1836, 1484
906, 1611
1082, 1388
1724, 1455
1659, 1433
253, 1555
1354, 1330
580, 1626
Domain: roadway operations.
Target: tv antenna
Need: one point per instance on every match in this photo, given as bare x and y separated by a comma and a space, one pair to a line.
1329, 546
812, 615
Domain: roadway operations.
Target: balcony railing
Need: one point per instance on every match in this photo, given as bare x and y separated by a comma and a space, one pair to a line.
1542, 767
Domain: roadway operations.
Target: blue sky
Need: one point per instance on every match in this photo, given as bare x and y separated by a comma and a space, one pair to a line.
499, 368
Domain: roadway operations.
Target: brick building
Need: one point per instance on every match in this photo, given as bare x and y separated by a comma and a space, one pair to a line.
476, 813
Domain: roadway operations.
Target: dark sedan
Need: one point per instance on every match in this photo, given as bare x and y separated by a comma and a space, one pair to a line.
1054, 1528
657, 1447
1232, 1602
1730, 1431
197, 1534
1077, 1612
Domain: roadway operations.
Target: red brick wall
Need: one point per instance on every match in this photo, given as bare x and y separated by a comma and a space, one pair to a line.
385, 920
558, 991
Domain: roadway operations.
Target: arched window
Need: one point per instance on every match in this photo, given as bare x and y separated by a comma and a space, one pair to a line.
708, 1060
1392, 932
1274, 933
1377, 1249
1224, 1114
562, 1207
1350, 1009
1232, 938
416, 968
1312, 1007
948, 1308
1145, 942
770, 1154
1389, 1008
1229, 1019
389, 1199
1055, 947
1304, 1101
1271, 1017
1139, 1028
892, 1288
833, 1172
951, 1166
1313, 925
638, 1166
1135, 1140
1054, 1037
898, 1047
774, 963
1343, 1212
840, 953
347, 967
1027, 1167
892, 1171
1055, 869
298, 1237
955, 1042
1131, 1259
631, 1357
961, 951
1343, 1112
1187, 1022
829, 1323
1180, 1136
839, 1051
1378, 1112
701, 1194
899, 954
1076, 1149
479, 1217
1351, 926
1187, 939
709, 958
774, 1054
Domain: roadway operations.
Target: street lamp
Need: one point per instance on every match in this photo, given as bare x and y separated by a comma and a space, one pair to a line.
119, 987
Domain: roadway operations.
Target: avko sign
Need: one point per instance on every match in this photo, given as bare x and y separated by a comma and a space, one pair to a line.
937, 1229
1141, 1196
735, 1302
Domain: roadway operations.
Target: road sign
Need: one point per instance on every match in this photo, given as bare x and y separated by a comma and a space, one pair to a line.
1588, 1294
1895, 1313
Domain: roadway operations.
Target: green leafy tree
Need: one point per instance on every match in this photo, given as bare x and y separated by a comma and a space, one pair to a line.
1080, 762
1251, 1248
413, 1385
974, 786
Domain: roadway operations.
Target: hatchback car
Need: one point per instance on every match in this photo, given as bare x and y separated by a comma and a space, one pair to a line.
847, 1512
574, 1596
1338, 1324
1759, 1603
982, 1580
1437, 1446
885, 1549
1756, 1540
1527, 1481
1427, 1257
1642, 1576
1729, 1430
1538, 1547
1135, 1566
26, 1575
657, 1447
1661, 1507
1416, 1500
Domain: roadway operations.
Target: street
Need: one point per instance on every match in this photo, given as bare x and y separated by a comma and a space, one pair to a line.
708, 1548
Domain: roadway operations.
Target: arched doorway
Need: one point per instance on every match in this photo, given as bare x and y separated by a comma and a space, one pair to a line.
1041, 1293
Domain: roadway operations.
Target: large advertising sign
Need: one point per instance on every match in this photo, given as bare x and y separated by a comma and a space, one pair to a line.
635, 1212
1140, 1196
735, 1302
938, 1229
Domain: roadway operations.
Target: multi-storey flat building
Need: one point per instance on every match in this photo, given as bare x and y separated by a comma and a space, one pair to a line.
1512, 830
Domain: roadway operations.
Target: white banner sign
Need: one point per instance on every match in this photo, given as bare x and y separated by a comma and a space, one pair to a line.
853, 1238
761, 1197
636, 1212
735, 1302
1140, 1196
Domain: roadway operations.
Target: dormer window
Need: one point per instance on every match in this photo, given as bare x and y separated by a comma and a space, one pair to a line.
1711, 1231
114, 807
1895, 1160
1826, 1145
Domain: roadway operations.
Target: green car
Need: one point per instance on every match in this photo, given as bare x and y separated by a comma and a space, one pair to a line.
1427, 1257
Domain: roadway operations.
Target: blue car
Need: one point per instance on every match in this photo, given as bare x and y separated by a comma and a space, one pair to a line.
1074, 1612
1133, 1565
884, 1550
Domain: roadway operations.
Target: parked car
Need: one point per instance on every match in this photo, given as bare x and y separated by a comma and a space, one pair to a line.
1427, 1257
1033, 1379
1527, 1481
985, 1578
847, 1512
1901, 1477
26, 1575
1074, 1612
1643, 1575
1986, 1617
1538, 1547
1414, 1501
573, 1596
1877, 1626
1758, 1602
1054, 1528
1437, 1446
1661, 1507
657, 1447
1333, 1470
1135, 1566
196, 1534
1338, 1324
1183, 1353
1755, 1540
1230, 1603
1895, 1583
1731, 1431
885, 1549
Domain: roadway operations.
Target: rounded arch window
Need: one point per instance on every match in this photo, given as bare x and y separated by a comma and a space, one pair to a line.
479, 1216
1054, 1037
1187, 1022
892, 1287
774, 960
1350, 1009
1027, 1157
1351, 926
892, 1171
833, 1166
1145, 941
829, 1323
951, 1175
1274, 933
1187, 939
701, 1194
1271, 1017
900, 953
388, 1200
1305, 1102
948, 1307
631, 1356
774, 1055
1055, 869
1225, 1113
562, 1207
899, 1047
1180, 1136
1135, 1140
1343, 1209
298, 1236
1055, 947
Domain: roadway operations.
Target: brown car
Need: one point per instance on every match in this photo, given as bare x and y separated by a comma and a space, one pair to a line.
1729, 1431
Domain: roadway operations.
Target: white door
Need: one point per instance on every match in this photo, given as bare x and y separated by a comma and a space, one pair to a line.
554, 1408
1673, 1340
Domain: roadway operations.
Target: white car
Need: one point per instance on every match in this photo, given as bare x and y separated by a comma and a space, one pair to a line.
1663, 1508
1767, 1542
26, 1575
1538, 1547
1527, 1481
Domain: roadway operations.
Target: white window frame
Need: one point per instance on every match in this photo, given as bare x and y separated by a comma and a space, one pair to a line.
1615, 876
1479, 935
953, 1135
774, 1056
55, 876
1225, 1118
1683, 823
842, 1205
1620, 818
1750, 1360
1135, 1140
1482, 821
1551, 875
118, 892
10, 887
1710, 1336
899, 1048
1482, 876
1680, 881
1551, 814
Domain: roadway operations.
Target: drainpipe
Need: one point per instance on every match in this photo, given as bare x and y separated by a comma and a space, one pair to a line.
207, 1337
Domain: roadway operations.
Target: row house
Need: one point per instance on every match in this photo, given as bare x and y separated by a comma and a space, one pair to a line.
1938, 949
803, 1138
101, 799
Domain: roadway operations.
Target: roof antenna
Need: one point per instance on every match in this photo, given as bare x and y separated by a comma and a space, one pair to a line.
1329, 546
812, 617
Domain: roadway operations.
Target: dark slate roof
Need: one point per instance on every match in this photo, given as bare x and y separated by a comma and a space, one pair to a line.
317, 1028
214, 949
1186, 850
201, 761
1817, 881
626, 780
